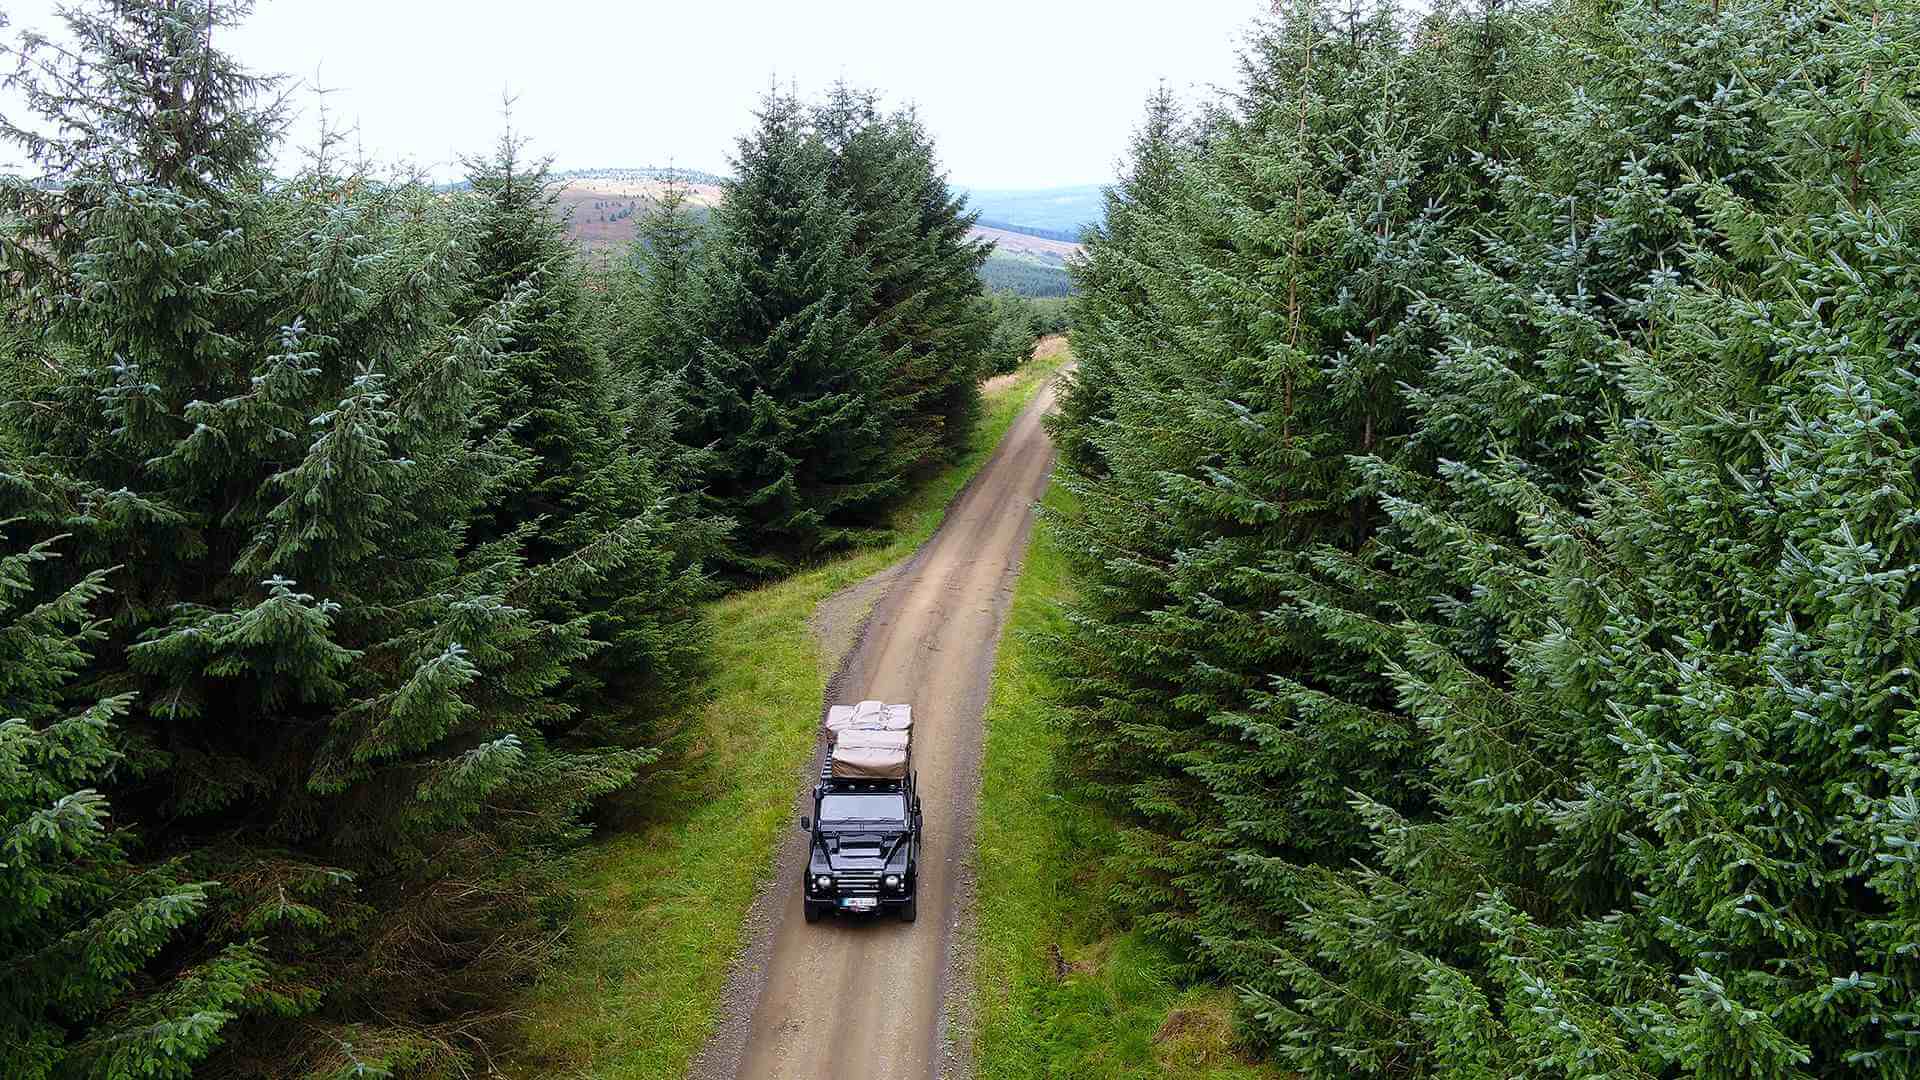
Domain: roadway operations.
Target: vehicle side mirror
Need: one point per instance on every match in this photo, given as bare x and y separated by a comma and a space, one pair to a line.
806, 823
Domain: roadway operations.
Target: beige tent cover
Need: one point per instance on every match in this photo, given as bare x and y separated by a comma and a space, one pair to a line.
870, 740
869, 763
872, 715
864, 739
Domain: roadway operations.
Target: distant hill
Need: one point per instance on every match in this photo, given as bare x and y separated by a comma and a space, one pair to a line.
1034, 232
1065, 210
1022, 242
1025, 275
603, 205
695, 177
1027, 261
1062, 235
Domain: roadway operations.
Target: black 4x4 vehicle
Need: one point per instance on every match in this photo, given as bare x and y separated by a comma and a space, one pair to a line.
864, 834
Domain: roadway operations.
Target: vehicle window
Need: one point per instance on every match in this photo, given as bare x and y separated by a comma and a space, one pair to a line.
863, 808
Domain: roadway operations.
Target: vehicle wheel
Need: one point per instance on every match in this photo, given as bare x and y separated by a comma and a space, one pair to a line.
811, 910
910, 910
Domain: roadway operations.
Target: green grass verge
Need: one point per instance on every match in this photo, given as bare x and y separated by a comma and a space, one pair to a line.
664, 904
1064, 990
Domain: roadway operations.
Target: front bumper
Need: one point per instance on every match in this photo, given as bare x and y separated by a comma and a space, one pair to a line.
857, 891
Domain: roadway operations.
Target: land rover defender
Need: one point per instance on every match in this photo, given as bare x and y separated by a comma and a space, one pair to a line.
864, 833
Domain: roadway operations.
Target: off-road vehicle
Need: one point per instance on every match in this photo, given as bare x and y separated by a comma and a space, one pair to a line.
863, 837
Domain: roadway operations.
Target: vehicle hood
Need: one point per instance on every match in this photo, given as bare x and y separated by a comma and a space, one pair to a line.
861, 849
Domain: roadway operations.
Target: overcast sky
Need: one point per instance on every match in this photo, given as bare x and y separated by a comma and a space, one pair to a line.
1017, 93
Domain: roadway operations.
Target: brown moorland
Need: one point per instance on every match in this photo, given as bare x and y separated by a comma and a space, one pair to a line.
603, 215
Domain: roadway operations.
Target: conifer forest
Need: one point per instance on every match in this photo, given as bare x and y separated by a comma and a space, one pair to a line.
1488, 488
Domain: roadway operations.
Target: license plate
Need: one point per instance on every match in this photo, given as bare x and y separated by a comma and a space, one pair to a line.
859, 903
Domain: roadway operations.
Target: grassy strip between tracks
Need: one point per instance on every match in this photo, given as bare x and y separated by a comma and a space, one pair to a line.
665, 902
1065, 990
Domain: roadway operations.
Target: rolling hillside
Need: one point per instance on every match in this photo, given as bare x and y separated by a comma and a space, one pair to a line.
604, 206
1059, 209
1023, 244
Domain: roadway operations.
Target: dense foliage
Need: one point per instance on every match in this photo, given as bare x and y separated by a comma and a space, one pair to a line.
1018, 322
80, 919
594, 481
352, 538
826, 322
1495, 440
268, 424
1025, 275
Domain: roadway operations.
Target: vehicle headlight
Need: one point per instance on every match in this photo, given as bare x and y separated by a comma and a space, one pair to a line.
823, 882
893, 881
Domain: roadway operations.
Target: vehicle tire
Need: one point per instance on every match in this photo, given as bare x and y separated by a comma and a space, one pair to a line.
910, 910
812, 910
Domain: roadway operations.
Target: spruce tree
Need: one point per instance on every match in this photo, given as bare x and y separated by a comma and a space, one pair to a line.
912, 232
1015, 328
1511, 682
582, 488
653, 317
1227, 344
263, 421
80, 920
818, 339
651, 326
1669, 803
1254, 314
1110, 296
551, 395
792, 384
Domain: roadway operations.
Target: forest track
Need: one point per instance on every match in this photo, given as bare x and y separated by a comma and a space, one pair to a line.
870, 998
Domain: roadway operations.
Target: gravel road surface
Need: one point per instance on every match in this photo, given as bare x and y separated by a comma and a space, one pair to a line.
869, 998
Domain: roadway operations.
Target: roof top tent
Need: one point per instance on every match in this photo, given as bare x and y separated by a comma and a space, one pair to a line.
872, 741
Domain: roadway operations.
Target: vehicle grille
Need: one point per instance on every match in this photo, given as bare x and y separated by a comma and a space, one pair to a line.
857, 882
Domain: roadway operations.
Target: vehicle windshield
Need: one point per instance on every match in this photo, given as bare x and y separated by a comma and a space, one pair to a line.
863, 808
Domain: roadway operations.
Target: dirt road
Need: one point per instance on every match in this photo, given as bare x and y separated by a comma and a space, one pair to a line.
867, 999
